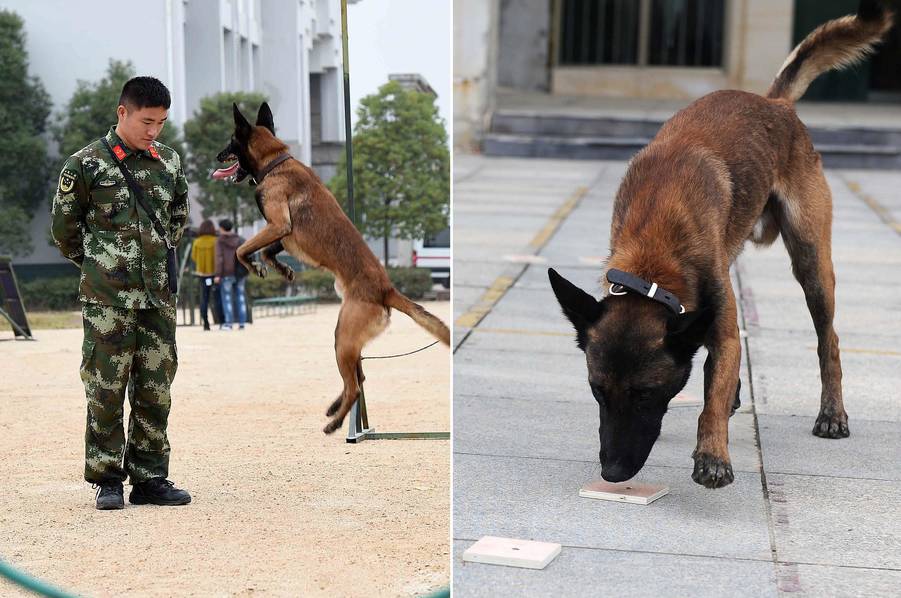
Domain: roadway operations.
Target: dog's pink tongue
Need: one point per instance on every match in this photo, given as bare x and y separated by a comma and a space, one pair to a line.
224, 173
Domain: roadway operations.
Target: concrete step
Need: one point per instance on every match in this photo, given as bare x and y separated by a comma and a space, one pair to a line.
536, 135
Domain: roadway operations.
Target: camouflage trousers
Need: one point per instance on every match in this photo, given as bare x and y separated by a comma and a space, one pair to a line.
133, 349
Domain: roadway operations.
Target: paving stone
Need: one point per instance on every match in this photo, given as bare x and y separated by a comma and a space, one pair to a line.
539, 499
569, 431
870, 451
836, 521
607, 572
787, 377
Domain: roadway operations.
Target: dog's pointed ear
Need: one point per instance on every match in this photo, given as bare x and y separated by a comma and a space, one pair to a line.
687, 331
264, 118
582, 309
242, 127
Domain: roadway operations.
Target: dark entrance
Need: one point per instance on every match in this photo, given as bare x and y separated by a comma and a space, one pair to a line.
875, 80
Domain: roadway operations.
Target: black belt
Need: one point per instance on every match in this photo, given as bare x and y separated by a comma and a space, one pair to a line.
622, 282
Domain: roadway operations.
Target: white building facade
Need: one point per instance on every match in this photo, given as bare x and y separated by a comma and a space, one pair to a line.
288, 50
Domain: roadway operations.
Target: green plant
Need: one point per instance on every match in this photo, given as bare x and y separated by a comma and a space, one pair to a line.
24, 166
319, 283
263, 288
412, 282
401, 166
51, 294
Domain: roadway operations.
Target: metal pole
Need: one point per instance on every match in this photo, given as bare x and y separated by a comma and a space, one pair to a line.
348, 145
358, 426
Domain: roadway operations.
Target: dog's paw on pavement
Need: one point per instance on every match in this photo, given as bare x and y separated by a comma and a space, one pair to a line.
712, 472
831, 426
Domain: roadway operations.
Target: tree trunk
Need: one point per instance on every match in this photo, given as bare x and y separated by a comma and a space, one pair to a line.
387, 230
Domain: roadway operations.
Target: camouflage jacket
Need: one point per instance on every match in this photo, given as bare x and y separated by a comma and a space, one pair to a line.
97, 223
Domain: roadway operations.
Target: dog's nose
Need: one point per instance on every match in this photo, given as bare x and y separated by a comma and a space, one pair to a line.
617, 472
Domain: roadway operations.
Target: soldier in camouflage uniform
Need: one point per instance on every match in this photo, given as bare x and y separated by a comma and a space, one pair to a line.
128, 310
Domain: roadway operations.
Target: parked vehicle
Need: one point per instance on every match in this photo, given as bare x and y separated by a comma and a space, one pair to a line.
434, 253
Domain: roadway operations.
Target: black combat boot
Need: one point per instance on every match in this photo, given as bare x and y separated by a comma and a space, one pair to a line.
109, 496
157, 491
206, 324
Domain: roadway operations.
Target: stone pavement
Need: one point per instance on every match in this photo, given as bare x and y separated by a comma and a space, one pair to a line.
805, 515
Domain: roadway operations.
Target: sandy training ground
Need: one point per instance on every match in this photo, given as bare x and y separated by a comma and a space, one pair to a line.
279, 508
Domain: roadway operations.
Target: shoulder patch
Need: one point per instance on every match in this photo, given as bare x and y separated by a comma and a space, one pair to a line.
67, 180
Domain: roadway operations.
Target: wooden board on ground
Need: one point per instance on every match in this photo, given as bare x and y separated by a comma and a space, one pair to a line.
511, 552
630, 492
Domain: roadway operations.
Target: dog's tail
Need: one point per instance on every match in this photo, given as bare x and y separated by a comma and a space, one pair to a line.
430, 323
835, 44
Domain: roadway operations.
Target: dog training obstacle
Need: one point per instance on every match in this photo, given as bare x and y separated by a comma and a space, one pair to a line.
358, 423
11, 306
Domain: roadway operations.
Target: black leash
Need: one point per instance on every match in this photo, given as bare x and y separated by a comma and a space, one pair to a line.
401, 354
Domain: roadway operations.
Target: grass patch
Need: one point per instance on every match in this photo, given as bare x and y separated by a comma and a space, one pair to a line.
48, 320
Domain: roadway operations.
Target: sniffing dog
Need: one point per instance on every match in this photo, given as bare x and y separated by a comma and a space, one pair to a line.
731, 166
305, 219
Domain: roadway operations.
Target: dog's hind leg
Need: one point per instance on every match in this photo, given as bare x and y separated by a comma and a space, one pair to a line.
268, 255
333, 408
806, 224
358, 323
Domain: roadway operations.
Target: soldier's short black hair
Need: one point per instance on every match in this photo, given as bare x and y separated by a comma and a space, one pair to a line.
226, 224
145, 92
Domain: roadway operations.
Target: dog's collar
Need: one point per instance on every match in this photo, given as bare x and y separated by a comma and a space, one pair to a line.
623, 282
258, 178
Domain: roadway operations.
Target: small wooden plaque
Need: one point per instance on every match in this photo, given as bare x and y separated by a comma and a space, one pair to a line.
511, 552
630, 492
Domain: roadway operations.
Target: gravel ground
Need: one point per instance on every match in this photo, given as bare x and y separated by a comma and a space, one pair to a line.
279, 508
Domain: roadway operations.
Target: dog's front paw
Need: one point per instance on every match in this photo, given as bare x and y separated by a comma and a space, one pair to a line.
712, 472
833, 425
259, 269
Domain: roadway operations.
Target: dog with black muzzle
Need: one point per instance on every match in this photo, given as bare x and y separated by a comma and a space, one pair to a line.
305, 219
732, 166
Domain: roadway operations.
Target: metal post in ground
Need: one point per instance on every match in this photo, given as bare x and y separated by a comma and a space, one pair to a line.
358, 424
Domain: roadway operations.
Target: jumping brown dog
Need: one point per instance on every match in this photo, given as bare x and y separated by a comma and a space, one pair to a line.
731, 166
305, 219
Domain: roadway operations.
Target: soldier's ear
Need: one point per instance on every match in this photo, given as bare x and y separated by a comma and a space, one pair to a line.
242, 127
264, 118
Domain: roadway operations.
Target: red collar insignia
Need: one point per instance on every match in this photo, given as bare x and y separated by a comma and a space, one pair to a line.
153, 152
120, 153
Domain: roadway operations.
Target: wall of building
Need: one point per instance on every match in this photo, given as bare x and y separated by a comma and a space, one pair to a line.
197, 48
757, 39
475, 68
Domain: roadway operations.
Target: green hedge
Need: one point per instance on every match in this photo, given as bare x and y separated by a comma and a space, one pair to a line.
261, 288
412, 282
51, 294
61, 293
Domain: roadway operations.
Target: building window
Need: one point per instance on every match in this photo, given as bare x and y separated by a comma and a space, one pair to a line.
641, 32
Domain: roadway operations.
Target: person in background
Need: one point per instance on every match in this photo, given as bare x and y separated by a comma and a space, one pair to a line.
203, 253
231, 284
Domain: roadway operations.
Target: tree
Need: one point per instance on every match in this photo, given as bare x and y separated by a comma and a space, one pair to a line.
207, 133
92, 111
24, 166
401, 166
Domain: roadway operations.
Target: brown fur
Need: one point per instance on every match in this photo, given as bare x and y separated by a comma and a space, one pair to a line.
305, 219
692, 197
